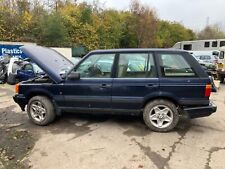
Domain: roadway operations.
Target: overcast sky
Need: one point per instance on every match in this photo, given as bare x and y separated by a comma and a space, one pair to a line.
191, 13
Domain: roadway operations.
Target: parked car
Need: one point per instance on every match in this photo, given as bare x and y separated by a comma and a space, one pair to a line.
160, 85
14, 65
4, 63
22, 71
221, 65
206, 58
210, 61
29, 71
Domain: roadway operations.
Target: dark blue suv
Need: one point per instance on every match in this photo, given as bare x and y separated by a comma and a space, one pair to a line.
159, 84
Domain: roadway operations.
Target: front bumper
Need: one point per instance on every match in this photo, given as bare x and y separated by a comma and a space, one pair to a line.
20, 100
201, 111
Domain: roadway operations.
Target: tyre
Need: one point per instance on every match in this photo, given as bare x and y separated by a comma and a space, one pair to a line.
11, 79
161, 115
40, 110
221, 79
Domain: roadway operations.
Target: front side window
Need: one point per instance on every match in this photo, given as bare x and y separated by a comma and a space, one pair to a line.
174, 65
136, 65
96, 66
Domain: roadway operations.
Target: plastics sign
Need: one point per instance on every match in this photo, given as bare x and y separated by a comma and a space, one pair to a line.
13, 50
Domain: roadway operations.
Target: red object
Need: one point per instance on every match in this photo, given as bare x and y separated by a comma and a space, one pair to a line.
17, 88
208, 90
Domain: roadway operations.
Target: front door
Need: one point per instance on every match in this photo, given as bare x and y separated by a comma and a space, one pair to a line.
93, 90
136, 81
27, 72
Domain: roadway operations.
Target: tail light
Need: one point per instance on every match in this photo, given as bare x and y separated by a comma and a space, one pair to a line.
17, 88
208, 90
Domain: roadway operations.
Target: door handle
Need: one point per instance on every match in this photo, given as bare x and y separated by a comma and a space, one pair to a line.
105, 85
151, 85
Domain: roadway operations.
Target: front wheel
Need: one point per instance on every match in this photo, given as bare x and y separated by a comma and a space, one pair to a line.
161, 115
40, 110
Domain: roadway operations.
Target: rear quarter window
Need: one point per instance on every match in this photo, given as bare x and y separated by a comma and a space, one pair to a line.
175, 65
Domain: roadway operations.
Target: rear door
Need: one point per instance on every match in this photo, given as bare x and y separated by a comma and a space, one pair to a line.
136, 79
180, 78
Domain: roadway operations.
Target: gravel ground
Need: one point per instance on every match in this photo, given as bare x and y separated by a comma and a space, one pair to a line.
121, 142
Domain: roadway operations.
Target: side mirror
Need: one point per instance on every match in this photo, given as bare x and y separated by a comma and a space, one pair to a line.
221, 55
73, 76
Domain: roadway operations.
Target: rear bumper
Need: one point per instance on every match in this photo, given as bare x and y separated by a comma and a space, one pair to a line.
201, 111
20, 100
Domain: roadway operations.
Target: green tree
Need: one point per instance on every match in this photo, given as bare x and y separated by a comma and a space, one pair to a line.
80, 33
86, 14
211, 32
110, 29
54, 33
69, 23
171, 32
142, 24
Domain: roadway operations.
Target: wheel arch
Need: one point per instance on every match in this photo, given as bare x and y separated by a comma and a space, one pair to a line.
38, 93
45, 94
168, 98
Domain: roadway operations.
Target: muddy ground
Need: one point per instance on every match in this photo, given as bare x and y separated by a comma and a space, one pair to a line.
121, 142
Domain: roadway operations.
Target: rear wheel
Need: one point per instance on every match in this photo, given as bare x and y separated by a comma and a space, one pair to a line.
161, 115
40, 110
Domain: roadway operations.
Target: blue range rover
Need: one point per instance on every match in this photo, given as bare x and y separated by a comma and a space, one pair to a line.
159, 84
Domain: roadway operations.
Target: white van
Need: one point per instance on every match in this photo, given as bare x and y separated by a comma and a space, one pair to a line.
221, 65
200, 45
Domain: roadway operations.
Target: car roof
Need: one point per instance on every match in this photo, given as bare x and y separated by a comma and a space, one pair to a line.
139, 50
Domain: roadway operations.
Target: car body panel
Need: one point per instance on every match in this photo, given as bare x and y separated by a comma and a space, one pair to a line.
87, 93
23, 74
121, 94
128, 93
50, 61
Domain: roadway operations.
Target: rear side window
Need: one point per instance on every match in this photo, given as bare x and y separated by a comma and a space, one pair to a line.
174, 65
136, 65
